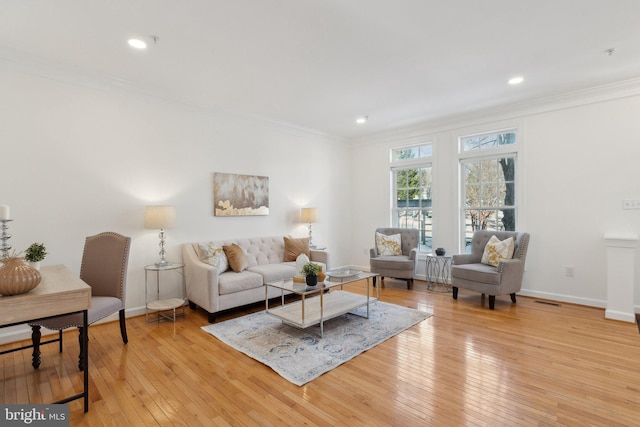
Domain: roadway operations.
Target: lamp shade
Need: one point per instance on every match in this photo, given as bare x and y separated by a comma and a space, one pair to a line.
308, 215
159, 217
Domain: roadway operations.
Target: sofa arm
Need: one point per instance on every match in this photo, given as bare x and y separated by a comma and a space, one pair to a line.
464, 259
201, 280
413, 254
319, 256
373, 253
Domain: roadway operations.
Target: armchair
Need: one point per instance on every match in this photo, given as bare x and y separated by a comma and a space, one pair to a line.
396, 266
469, 272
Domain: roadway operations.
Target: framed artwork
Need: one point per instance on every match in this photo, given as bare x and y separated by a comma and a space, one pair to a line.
240, 195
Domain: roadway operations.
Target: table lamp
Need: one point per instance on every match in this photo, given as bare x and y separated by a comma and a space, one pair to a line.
309, 215
160, 217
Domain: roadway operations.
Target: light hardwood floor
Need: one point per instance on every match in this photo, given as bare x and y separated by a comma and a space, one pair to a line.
524, 364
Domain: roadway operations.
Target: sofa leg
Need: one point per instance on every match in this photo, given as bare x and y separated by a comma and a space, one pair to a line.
513, 297
374, 281
192, 305
454, 292
211, 317
492, 302
381, 281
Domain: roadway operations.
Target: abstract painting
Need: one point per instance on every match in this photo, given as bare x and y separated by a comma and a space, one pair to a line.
240, 195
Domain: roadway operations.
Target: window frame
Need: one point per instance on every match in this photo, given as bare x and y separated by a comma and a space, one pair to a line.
490, 153
410, 164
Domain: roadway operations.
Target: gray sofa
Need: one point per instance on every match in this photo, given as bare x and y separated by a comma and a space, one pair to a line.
214, 291
469, 273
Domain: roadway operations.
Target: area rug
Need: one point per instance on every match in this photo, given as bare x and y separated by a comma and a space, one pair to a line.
301, 356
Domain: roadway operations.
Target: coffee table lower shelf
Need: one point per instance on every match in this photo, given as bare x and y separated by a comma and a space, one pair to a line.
312, 313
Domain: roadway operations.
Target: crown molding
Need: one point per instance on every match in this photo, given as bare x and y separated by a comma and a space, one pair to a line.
592, 95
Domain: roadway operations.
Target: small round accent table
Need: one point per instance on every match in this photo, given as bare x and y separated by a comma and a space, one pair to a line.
158, 305
439, 273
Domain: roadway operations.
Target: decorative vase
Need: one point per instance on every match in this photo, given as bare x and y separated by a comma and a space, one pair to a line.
312, 280
17, 278
440, 251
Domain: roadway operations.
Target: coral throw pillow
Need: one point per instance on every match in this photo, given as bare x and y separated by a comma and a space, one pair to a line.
388, 245
497, 250
294, 247
237, 259
213, 255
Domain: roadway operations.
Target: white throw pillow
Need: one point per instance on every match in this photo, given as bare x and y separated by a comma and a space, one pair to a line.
497, 250
213, 255
388, 245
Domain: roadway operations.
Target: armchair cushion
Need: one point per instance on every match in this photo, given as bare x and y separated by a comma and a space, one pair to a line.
388, 245
497, 250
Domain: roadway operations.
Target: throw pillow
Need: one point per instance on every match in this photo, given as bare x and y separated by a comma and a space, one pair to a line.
213, 255
388, 245
294, 247
237, 258
496, 250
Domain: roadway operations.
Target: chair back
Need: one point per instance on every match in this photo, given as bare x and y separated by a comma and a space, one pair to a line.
481, 237
104, 264
408, 236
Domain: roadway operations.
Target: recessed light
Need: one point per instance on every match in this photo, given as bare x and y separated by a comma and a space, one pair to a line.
137, 43
361, 120
516, 80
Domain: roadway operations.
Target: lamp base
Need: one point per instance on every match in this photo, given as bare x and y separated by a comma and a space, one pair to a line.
162, 263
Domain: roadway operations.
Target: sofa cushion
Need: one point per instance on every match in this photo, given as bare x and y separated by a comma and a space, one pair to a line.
274, 272
237, 258
400, 262
388, 245
477, 273
294, 247
496, 250
213, 254
231, 282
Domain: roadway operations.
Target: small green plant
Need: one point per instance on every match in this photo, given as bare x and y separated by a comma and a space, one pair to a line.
36, 252
310, 269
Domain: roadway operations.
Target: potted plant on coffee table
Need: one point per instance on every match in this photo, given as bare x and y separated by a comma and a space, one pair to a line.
310, 271
35, 254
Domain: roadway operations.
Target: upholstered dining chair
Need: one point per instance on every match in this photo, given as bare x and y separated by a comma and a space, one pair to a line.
104, 268
400, 266
469, 272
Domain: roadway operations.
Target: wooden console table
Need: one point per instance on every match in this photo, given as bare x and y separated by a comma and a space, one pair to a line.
59, 293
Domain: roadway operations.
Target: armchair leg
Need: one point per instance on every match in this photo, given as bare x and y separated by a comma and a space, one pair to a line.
410, 283
35, 340
492, 302
123, 327
381, 281
513, 297
374, 281
454, 292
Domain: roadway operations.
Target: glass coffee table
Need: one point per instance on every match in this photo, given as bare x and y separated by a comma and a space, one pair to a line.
322, 302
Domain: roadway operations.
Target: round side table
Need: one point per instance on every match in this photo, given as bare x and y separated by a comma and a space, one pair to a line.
439, 273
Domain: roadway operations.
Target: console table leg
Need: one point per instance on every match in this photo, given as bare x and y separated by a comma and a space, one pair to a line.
35, 339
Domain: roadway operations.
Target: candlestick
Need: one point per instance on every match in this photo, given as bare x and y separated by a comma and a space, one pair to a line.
4, 236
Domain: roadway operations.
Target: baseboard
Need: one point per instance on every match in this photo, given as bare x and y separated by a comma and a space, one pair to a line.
619, 315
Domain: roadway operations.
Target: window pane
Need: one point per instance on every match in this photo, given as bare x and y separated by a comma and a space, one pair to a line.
412, 204
481, 142
407, 153
420, 219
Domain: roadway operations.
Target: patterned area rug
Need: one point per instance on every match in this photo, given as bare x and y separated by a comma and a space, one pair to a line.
301, 356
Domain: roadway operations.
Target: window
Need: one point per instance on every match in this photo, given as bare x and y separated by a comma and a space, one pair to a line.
488, 169
411, 181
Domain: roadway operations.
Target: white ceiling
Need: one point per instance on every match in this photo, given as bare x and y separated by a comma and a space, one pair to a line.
318, 64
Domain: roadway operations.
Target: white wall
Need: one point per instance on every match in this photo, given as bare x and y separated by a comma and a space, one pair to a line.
80, 159
578, 164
